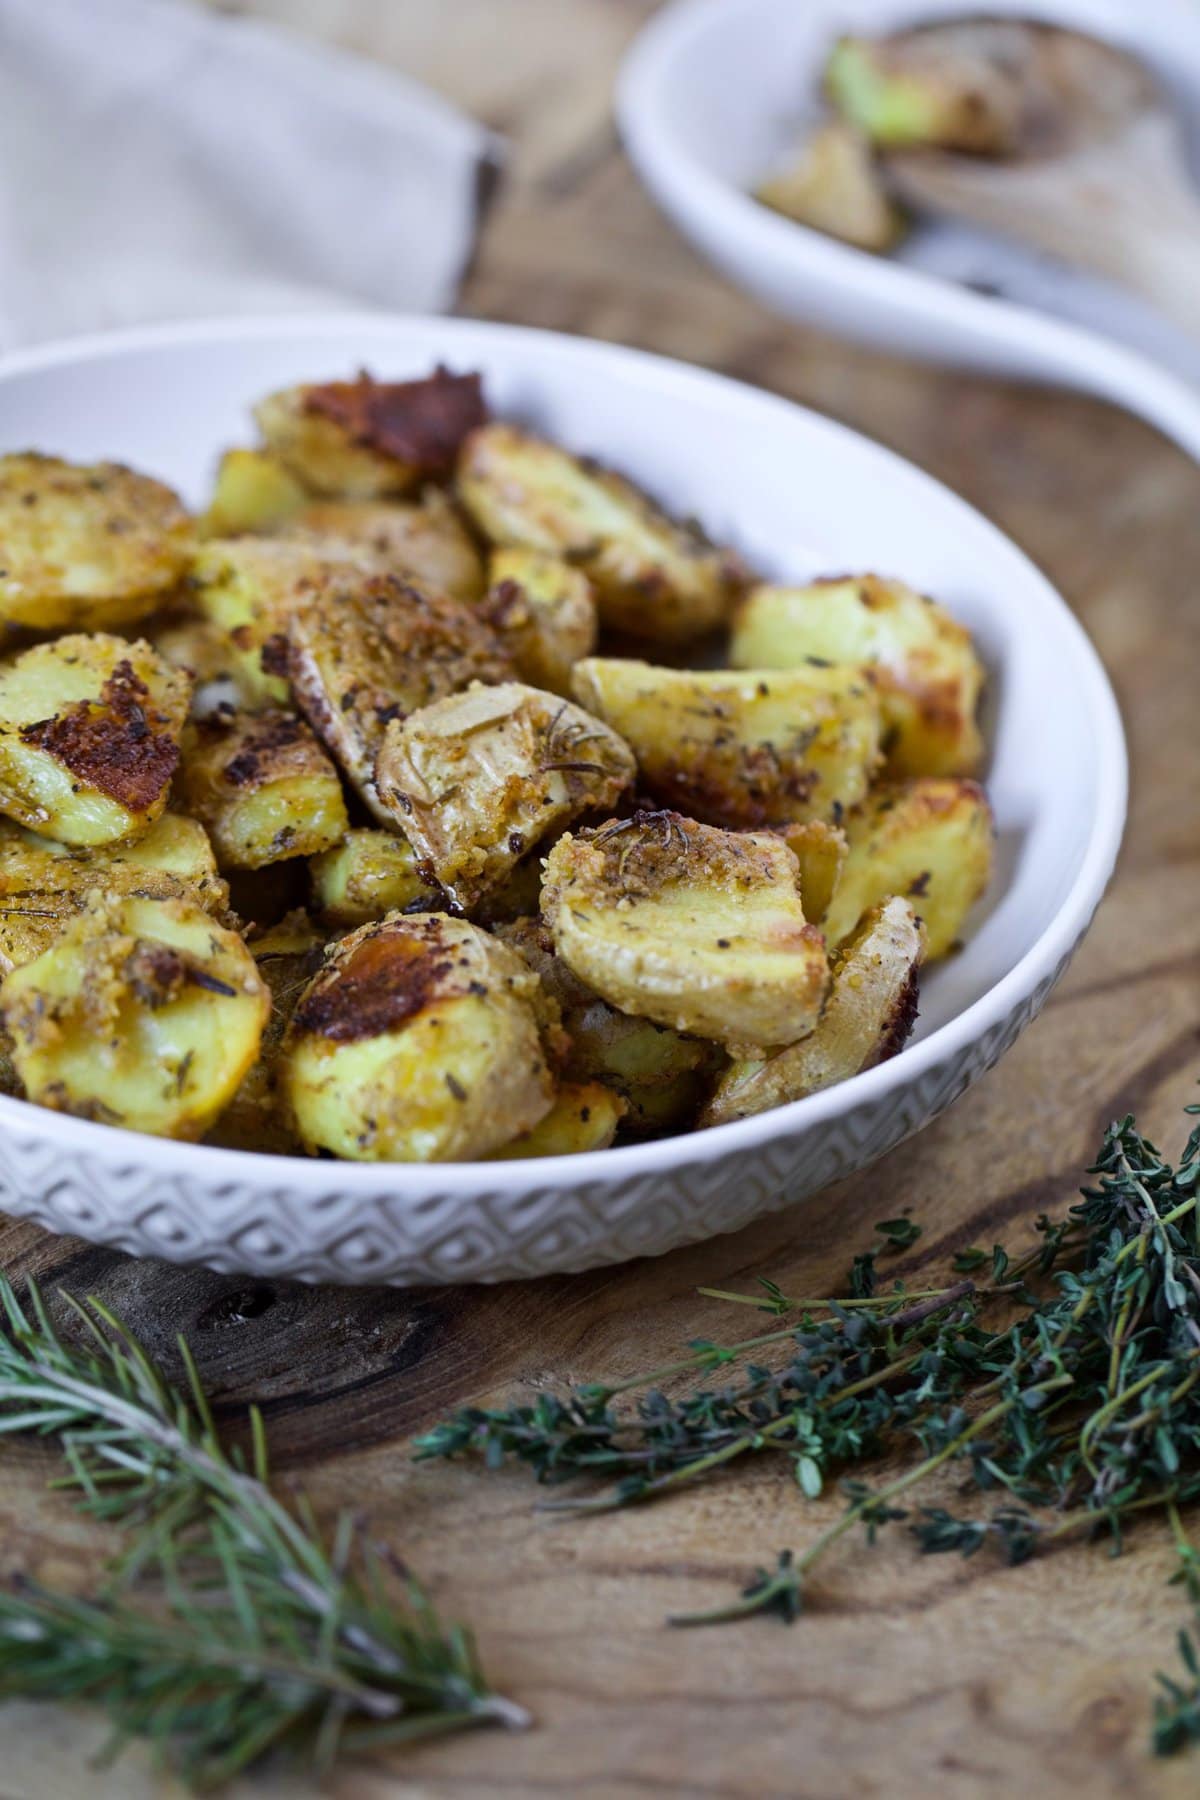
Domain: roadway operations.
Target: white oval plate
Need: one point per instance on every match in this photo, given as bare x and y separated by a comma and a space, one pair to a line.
800, 496
710, 97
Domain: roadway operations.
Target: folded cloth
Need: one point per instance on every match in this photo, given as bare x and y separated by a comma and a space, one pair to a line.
158, 161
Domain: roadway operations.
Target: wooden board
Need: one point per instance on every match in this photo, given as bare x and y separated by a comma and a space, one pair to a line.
906, 1676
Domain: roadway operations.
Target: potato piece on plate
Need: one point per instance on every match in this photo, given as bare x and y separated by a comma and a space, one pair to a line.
89, 737
698, 929
923, 663
368, 875
821, 850
254, 491
474, 781
584, 1116
417, 1042
868, 1017
653, 576
143, 1013
742, 749
660, 1075
545, 612
43, 885
423, 541
247, 589
263, 786
376, 652
86, 546
359, 440
930, 841
834, 185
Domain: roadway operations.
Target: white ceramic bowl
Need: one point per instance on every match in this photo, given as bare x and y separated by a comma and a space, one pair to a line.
797, 494
710, 98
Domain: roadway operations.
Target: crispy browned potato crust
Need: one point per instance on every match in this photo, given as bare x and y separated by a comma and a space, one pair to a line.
358, 440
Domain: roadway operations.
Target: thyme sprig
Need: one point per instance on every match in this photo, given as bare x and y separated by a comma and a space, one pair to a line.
231, 1624
1065, 1381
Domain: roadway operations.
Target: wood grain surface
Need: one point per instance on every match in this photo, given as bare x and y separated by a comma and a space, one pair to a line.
905, 1677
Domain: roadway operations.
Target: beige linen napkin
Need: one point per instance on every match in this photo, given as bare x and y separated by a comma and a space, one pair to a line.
158, 161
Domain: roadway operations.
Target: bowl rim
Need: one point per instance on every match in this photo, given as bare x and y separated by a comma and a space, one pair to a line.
1044, 346
618, 1166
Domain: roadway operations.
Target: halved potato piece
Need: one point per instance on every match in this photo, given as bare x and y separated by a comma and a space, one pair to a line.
247, 588
930, 841
698, 929
417, 1042
423, 541
254, 491
368, 875
584, 1116
143, 1013
86, 546
89, 730
545, 612
653, 576
43, 885
821, 850
659, 1074
358, 440
475, 780
833, 184
868, 1017
741, 749
924, 665
360, 658
263, 786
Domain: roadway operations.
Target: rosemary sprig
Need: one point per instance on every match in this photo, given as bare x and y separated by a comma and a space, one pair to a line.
1066, 1380
231, 1625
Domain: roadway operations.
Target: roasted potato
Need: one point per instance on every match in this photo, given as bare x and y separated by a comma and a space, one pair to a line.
745, 749
417, 1042
652, 576
89, 730
246, 589
423, 541
833, 185
368, 875
143, 1013
929, 841
696, 928
475, 780
378, 650
86, 546
360, 440
948, 87
870, 1012
43, 885
922, 661
820, 849
660, 1075
584, 1116
544, 611
254, 491
263, 787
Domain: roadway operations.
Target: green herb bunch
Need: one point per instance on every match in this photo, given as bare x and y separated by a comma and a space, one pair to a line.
230, 1625
1064, 1382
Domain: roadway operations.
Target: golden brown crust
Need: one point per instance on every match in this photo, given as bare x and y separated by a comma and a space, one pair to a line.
420, 423
384, 978
120, 744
